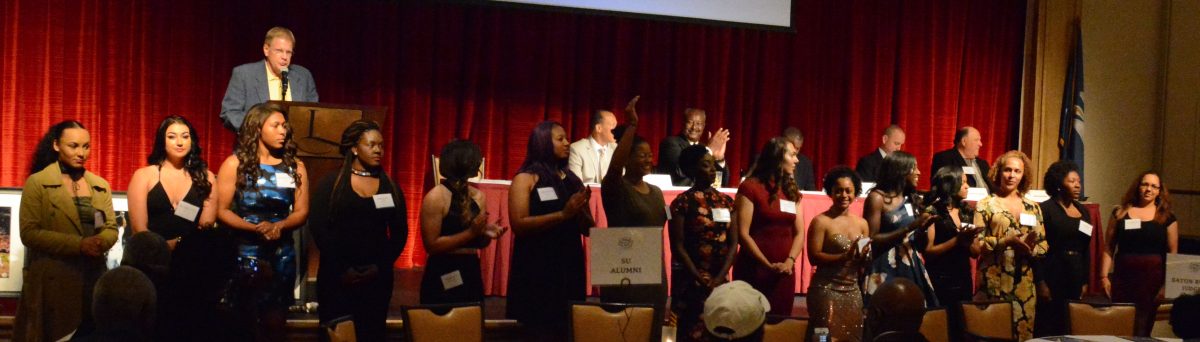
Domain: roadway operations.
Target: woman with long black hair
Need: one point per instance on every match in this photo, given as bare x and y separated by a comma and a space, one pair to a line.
67, 224
360, 224
548, 210
454, 226
172, 196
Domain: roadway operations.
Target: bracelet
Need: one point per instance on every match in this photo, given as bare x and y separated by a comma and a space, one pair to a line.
792, 258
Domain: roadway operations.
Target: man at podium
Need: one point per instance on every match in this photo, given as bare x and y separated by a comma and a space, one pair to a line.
273, 79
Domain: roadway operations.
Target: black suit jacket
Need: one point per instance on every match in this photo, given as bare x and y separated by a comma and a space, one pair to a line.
868, 166
951, 157
804, 173
668, 161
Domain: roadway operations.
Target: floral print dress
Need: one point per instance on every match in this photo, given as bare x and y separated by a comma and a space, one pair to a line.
707, 244
1002, 274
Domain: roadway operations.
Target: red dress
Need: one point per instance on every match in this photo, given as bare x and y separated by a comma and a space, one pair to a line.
773, 231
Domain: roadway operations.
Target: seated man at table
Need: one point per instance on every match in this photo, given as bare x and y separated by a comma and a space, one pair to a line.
868, 166
693, 131
804, 167
590, 156
895, 312
965, 154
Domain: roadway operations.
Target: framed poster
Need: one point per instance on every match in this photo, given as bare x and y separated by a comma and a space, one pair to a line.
12, 252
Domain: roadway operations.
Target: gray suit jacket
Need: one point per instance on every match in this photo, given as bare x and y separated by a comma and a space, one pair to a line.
248, 87
583, 161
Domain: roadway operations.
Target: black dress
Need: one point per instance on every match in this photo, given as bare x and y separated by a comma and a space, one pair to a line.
161, 218
1065, 267
547, 268
433, 289
354, 236
1139, 268
950, 272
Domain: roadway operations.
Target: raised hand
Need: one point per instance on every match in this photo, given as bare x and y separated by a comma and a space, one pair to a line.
717, 142
631, 116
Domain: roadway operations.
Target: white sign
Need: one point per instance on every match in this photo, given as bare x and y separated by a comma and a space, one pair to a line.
787, 206
187, 211
1183, 275
976, 194
626, 255
866, 189
383, 201
547, 194
1085, 227
660, 180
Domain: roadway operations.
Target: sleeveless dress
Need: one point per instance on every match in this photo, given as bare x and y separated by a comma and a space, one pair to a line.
1139, 268
467, 265
772, 230
270, 200
161, 212
834, 298
1065, 267
902, 260
547, 269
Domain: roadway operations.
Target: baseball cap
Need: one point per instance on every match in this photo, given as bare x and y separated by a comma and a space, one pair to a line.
734, 310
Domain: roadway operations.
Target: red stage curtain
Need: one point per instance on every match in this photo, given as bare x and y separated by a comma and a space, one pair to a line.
491, 73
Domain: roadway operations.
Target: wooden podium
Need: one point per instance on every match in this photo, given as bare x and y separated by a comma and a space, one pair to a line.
317, 130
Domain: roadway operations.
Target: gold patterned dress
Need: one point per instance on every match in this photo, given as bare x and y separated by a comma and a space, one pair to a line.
834, 296
1002, 274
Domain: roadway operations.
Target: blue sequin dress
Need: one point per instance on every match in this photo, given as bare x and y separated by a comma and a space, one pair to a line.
270, 200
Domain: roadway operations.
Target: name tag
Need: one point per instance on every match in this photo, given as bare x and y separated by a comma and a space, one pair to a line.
862, 243
451, 280
787, 206
1131, 224
722, 215
970, 170
284, 180
1085, 227
547, 194
1028, 220
384, 201
187, 211
908, 209
667, 210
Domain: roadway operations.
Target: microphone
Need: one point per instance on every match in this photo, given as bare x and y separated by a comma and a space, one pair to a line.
283, 73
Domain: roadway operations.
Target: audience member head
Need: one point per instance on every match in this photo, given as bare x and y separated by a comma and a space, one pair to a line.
693, 124
698, 165
603, 123
1062, 180
264, 130
1008, 174
278, 48
949, 187
892, 140
897, 306
177, 141
898, 174
774, 166
842, 185
794, 135
1184, 312
641, 159
734, 310
968, 141
148, 252
201, 267
1148, 188
459, 162
124, 300
66, 142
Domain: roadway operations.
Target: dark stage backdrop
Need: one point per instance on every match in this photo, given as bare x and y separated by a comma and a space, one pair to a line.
490, 74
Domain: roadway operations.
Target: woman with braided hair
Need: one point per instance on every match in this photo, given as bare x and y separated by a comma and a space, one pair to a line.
359, 223
454, 226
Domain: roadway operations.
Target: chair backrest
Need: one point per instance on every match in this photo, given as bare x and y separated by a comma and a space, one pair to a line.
935, 325
437, 174
1101, 319
989, 320
450, 322
611, 322
778, 328
341, 329
1162, 323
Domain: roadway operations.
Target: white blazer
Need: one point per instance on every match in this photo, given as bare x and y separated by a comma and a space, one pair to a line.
586, 163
